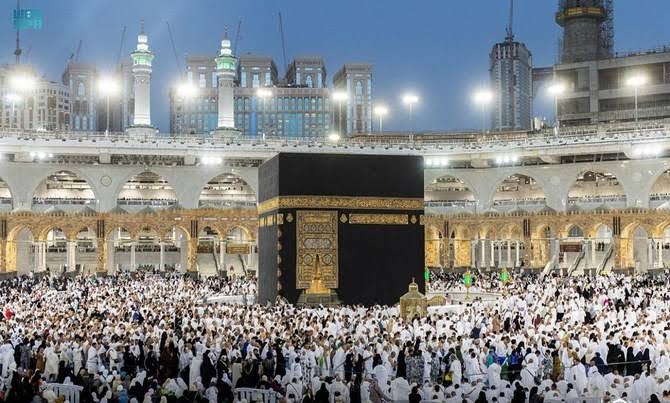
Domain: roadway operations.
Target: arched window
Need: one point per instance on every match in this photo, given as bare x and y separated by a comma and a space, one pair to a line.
81, 90
308, 81
575, 232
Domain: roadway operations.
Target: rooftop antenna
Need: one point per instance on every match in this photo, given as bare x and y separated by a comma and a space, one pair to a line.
510, 22
17, 52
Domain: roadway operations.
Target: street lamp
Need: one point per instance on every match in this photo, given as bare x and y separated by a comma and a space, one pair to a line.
334, 137
263, 94
339, 97
556, 89
410, 100
13, 99
21, 83
636, 82
108, 87
185, 90
483, 98
381, 111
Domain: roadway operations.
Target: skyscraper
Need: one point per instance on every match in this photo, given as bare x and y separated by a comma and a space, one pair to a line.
81, 78
511, 75
355, 79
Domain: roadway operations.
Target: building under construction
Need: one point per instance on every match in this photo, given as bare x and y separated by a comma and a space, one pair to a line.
588, 32
598, 81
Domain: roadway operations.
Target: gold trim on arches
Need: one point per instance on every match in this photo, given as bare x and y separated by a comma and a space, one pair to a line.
340, 202
380, 219
104, 224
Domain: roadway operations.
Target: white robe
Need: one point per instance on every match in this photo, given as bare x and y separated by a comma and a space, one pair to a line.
92, 361
194, 369
51, 363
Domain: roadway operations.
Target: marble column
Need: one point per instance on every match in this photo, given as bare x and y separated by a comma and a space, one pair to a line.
161, 264
482, 264
508, 263
71, 255
132, 257
517, 262
222, 255
493, 254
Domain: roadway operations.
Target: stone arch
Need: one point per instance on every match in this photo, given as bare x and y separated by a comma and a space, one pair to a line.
519, 191
633, 245
144, 189
593, 188
543, 244
227, 190
66, 188
6, 196
450, 192
574, 231
238, 233
460, 241
117, 233
601, 232
659, 194
433, 246
511, 232
48, 232
20, 255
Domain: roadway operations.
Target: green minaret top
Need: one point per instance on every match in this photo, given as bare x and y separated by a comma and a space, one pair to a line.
226, 62
142, 56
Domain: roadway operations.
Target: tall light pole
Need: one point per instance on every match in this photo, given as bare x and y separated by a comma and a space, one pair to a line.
13, 99
556, 90
483, 99
381, 111
108, 86
263, 94
636, 82
22, 84
339, 97
410, 100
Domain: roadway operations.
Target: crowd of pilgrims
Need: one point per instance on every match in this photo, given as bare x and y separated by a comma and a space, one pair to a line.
150, 338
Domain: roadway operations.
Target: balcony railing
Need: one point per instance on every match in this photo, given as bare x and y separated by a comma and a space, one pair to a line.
616, 133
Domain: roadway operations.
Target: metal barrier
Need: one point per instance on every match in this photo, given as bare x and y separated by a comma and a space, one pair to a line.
69, 392
256, 395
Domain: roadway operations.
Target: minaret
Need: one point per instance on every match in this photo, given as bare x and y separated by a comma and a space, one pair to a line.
142, 58
226, 69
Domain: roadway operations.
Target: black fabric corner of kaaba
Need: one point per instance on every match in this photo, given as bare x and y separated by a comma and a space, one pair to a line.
350, 175
376, 261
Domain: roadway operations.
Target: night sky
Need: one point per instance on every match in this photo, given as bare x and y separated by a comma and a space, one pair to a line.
436, 48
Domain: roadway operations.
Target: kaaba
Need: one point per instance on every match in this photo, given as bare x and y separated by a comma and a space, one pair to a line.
340, 229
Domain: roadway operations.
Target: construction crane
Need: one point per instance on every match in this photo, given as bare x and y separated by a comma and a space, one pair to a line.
237, 36
123, 38
76, 56
510, 21
283, 41
174, 48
